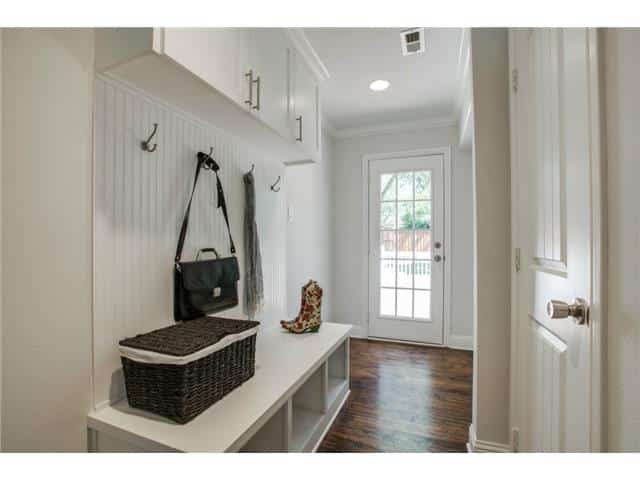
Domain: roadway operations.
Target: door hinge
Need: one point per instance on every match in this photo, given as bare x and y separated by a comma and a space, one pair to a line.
517, 259
514, 80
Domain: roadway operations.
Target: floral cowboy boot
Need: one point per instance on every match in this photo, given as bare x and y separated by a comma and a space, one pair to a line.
308, 320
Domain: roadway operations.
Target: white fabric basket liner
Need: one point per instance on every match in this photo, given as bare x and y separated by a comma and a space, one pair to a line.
145, 356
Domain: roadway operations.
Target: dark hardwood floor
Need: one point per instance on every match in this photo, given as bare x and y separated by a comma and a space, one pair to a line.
404, 398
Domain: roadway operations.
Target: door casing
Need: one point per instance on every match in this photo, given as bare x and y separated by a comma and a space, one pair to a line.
366, 159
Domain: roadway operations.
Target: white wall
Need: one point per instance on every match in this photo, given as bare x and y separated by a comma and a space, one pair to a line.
310, 230
492, 242
47, 240
350, 298
461, 245
622, 104
140, 200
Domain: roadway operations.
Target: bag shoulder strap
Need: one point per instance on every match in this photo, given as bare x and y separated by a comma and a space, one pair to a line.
221, 204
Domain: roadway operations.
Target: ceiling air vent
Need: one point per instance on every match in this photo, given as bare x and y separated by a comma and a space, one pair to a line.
412, 41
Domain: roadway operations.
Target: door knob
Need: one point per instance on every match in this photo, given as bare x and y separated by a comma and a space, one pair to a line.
437, 258
578, 310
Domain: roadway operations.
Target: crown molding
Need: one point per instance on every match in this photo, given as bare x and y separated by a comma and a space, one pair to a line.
386, 128
304, 47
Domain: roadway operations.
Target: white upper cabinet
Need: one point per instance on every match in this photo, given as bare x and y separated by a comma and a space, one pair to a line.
305, 108
269, 69
216, 55
250, 82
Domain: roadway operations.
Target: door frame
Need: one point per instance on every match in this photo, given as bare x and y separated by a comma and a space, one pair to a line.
366, 161
598, 266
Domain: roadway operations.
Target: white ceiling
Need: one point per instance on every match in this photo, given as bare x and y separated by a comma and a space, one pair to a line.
422, 87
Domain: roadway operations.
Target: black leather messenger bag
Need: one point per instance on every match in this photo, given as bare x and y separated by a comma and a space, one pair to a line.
204, 286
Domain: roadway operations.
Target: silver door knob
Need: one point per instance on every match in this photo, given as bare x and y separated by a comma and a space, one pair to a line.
437, 258
578, 310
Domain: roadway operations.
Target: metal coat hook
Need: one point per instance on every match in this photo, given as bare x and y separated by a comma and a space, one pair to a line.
273, 187
145, 144
207, 161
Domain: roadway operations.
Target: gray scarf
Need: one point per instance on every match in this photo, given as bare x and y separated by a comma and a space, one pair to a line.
254, 290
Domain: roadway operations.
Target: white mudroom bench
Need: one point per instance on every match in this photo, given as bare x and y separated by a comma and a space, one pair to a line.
300, 384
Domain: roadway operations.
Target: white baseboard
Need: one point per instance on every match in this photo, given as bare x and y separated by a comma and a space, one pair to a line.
460, 342
405, 342
482, 446
358, 332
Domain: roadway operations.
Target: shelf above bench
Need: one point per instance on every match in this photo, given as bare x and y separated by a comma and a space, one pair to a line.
288, 405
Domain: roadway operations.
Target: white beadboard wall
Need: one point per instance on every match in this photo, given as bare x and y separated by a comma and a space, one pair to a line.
140, 199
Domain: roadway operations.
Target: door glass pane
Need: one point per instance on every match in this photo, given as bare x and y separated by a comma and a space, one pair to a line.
388, 273
423, 185
405, 215
405, 277
422, 277
388, 186
422, 306
423, 244
405, 186
405, 244
423, 215
387, 302
388, 215
405, 298
387, 244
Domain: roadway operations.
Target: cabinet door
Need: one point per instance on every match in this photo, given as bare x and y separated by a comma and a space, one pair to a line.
306, 108
269, 61
216, 55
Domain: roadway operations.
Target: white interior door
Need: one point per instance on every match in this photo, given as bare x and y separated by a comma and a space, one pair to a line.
555, 132
406, 248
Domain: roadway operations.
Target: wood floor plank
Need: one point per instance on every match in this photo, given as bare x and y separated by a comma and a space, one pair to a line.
404, 398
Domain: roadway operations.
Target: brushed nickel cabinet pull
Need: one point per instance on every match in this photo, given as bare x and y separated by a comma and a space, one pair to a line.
257, 82
249, 76
299, 119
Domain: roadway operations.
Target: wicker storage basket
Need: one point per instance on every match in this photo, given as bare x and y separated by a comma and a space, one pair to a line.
180, 371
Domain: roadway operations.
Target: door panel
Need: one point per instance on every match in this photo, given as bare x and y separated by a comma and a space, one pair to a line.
406, 223
216, 55
552, 154
305, 105
269, 58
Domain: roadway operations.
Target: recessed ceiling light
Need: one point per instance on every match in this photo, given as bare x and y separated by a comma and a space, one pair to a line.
379, 85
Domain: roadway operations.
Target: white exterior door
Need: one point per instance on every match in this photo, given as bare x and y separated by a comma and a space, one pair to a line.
406, 248
556, 195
